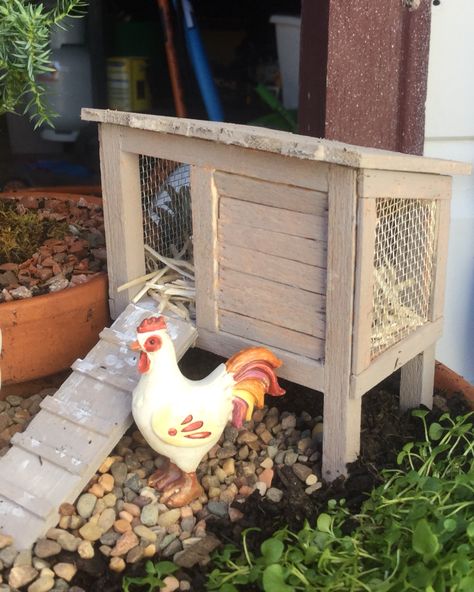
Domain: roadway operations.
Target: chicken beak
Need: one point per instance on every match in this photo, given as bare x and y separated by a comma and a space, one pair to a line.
134, 346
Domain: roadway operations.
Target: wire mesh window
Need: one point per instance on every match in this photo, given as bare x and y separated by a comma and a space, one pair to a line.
166, 207
403, 268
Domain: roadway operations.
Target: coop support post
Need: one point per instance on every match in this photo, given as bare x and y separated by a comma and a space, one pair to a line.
204, 200
342, 414
417, 380
122, 216
364, 284
441, 255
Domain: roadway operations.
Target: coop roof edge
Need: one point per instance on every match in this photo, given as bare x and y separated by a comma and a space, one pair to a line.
279, 142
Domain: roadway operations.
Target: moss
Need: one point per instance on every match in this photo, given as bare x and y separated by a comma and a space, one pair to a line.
23, 233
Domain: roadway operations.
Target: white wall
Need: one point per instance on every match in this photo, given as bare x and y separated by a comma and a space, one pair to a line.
450, 134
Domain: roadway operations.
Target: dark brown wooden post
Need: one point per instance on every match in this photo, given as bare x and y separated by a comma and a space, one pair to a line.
363, 71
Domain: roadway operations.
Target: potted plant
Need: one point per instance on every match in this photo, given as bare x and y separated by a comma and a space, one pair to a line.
44, 334
53, 285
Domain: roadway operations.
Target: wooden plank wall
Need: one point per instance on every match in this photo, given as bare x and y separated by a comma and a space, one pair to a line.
54, 458
272, 263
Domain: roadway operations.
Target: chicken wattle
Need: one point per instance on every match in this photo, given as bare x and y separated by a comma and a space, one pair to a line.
182, 419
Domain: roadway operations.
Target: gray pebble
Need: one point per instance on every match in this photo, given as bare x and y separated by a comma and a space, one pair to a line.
134, 555
68, 541
174, 547
141, 501
85, 505
274, 494
60, 585
23, 558
14, 400
167, 540
149, 514
231, 433
118, 492
218, 508
226, 452
45, 548
8, 556
187, 524
272, 451
290, 458
288, 422
134, 483
119, 472
129, 495
110, 538
280, 457
132, 462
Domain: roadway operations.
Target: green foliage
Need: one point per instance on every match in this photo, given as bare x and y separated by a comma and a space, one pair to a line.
153, 578
25, 30
414, 533
23, 232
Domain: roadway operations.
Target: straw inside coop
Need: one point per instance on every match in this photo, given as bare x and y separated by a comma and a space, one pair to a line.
403, 269
166, 208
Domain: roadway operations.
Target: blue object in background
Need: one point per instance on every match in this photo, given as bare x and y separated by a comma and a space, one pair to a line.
61, 167
200, 64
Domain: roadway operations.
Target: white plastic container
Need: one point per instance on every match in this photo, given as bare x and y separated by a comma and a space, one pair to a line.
288, 47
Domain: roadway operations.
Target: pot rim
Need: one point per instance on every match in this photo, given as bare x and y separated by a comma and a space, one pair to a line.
61, 196
98, 277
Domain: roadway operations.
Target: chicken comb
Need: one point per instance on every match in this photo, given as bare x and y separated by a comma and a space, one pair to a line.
151, 324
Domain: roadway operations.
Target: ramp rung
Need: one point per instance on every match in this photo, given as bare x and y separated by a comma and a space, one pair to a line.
35, 505
73, 465
86, 418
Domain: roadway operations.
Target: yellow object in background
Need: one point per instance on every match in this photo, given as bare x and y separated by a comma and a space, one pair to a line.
127, 84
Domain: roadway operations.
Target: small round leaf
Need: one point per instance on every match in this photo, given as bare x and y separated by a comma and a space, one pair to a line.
272, 550
470, 530
435, 431
274, 579
424, 541
450, 524
324, 523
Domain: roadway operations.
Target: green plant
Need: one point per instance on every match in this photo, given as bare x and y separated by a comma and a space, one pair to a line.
153, 578
24, 231
25, 31
415, 532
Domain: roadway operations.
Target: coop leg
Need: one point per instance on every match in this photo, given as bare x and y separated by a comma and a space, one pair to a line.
341, 433
416, 387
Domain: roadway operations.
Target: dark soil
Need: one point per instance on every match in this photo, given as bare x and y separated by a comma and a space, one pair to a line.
384, 432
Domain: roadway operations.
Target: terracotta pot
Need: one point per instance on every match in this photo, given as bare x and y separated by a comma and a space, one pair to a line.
448, 381
46, 334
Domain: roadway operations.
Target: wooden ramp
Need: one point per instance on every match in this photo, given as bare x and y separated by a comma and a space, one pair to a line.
53, 459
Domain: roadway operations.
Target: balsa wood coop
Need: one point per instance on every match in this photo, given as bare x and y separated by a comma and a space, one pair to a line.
332, 255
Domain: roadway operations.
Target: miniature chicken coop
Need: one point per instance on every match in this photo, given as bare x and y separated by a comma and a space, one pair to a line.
332, 255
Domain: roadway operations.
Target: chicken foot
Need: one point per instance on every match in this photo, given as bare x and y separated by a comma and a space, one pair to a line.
164, 476
177, 488
182, 492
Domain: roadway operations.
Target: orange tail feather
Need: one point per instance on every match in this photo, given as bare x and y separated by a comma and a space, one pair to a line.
253, 370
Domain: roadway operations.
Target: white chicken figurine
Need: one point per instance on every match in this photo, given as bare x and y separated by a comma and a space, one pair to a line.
182, 419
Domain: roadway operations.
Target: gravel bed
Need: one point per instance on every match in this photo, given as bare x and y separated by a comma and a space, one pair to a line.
120, 520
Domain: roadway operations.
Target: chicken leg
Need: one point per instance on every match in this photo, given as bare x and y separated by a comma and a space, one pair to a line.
177, 488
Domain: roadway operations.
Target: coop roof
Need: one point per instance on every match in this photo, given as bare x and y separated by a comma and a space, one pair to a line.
279, 142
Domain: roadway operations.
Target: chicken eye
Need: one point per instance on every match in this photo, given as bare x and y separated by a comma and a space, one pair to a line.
152, 344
